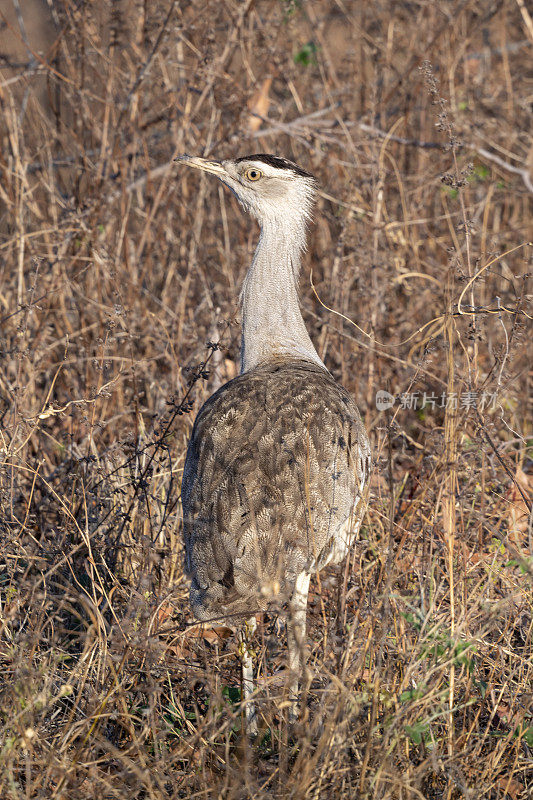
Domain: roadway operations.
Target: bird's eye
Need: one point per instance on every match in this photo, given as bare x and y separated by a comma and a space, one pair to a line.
253, 174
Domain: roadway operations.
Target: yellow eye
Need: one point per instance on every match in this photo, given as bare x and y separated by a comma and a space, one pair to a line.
253, 174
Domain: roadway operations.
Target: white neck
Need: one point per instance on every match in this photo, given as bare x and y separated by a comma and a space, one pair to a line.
272, 324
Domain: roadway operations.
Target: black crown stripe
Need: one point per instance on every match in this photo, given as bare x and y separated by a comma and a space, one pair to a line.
277, 162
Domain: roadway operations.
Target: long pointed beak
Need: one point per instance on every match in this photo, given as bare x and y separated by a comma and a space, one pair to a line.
215, 167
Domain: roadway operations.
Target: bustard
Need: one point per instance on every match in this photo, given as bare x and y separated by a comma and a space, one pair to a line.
278, 457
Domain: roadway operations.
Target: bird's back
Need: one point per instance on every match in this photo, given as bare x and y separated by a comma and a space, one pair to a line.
275, 469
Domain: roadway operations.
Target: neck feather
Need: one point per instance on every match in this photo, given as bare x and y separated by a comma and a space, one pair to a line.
272, 323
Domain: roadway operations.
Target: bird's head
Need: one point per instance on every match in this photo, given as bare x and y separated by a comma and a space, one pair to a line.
273, 189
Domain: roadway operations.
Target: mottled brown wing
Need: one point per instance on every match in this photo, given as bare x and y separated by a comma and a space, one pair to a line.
277, 461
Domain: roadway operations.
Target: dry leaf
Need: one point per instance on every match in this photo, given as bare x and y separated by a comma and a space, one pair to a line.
504, 712
474, 67
216, 634
518, 513
259, 103
164, 612
511, 787
180, 650
277, 679
231, 368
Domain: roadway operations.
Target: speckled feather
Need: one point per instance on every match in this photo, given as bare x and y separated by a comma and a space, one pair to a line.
272, 484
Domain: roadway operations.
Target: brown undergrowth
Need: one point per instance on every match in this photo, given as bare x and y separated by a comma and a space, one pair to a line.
119, 278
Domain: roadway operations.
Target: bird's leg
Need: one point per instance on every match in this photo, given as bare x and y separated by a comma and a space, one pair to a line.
296, 619
245, 652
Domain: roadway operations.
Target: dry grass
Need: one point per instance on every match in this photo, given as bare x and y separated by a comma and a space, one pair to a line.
116, 269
